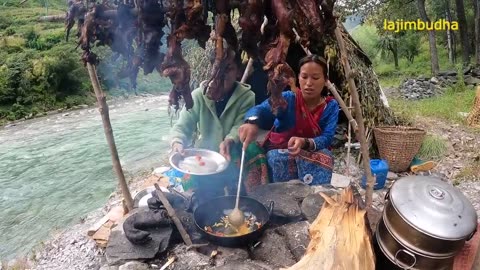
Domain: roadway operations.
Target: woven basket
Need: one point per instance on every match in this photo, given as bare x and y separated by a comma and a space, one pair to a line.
473, 118
398, 145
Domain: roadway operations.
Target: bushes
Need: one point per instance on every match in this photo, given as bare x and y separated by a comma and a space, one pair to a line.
30, 83
33, 40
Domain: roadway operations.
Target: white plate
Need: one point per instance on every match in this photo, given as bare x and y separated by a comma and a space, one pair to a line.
190, 162
142, 197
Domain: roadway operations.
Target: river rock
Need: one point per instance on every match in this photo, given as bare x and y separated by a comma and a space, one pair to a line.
472, 80
134, 265
312, 204
109, 267
189, 259
273, 249
244, 265
226, 255
119, 249
297, 237
340, 181
287, 197
392, 176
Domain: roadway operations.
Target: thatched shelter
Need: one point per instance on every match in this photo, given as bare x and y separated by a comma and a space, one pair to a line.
374, 106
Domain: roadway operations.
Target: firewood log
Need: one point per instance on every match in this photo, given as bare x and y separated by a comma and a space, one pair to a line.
340, 237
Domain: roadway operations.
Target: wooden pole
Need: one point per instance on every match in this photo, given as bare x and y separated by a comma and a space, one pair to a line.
344, 107
107, 127
173, 216
358, 115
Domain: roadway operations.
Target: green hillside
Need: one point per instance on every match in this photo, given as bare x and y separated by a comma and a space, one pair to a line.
40, 71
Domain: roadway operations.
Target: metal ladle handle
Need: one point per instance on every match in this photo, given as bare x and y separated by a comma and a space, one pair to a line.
240, 178
409, 254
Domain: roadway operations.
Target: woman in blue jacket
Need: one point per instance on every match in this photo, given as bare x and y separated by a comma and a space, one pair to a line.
297, 146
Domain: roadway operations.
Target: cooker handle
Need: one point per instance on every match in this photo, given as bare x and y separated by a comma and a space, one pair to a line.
471, 235
387, 195
270, 208
409, 254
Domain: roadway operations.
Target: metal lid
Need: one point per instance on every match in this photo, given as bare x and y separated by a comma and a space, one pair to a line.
433, 207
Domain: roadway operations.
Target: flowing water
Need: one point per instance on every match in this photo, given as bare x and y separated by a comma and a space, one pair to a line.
55, 169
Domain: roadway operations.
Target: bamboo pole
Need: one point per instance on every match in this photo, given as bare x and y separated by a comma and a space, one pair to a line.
107, 127
358, 115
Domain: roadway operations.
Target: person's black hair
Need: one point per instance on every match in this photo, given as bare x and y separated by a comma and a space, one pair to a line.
320, 61
316, 59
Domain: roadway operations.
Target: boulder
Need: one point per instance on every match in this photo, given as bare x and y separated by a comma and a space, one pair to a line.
134, 265
312, 204
287, 197
274, 250
245, 265
297, 237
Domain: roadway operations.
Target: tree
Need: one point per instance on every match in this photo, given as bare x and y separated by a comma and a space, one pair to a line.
462, 25
431, 38
476, 5
409, 45
388, 44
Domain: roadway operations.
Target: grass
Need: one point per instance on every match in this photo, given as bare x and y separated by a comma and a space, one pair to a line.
446, 107
433, 148
469, 173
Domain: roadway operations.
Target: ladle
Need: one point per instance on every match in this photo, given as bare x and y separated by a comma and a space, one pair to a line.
236, 217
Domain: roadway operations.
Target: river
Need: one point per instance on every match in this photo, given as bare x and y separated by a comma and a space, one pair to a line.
56, 169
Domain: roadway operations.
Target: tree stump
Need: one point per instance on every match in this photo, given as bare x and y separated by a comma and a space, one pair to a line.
340, 236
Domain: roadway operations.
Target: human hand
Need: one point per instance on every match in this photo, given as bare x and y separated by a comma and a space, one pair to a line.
295, 144
177, 148
247, 133
225, 148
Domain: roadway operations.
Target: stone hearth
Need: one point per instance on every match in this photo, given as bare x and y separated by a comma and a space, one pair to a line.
282, 244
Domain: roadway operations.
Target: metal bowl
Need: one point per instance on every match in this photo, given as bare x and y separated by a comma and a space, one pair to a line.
188, 163
141, 198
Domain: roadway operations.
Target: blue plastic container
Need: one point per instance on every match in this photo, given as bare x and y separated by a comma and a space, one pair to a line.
379, 168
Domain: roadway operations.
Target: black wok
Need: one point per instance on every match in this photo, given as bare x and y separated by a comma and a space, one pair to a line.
210, 212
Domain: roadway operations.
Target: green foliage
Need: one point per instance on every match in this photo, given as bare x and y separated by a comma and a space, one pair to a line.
460, 84
366, 36
5, 22
10, 31
433, 148
386, 44
31, 39
447, 106
409, 46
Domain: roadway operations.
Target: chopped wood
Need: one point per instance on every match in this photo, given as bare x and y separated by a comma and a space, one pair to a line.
340, 237
103, 234
167, 264
92, 230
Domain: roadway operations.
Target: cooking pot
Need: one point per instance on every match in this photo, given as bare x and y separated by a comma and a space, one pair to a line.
210, 212
429, 216
403, 256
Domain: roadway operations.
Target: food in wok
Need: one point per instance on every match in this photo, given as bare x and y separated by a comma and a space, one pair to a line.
224, 228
